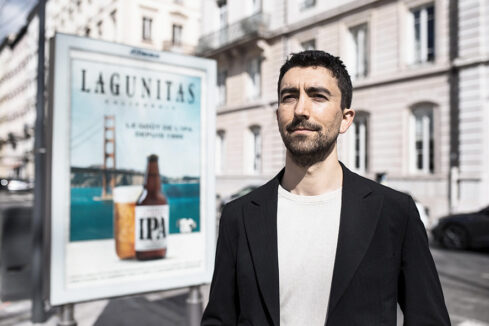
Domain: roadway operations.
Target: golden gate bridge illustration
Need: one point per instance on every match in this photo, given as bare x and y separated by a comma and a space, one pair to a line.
108, 170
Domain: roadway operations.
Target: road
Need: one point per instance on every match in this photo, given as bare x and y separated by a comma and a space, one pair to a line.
464, 277
465, 280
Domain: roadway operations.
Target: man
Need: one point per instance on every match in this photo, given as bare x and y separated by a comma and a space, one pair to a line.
318, 244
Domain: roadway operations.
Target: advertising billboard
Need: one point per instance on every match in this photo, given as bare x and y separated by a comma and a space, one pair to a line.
131, 170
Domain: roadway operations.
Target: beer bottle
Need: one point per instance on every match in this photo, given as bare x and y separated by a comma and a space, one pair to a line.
151, 216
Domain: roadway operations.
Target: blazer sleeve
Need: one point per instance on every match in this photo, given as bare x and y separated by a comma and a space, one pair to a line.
420, 294
223, 298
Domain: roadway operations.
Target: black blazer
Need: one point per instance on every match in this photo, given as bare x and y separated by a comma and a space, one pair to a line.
382, 258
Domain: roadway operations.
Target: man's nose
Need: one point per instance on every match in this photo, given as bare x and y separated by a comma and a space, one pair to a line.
303, 107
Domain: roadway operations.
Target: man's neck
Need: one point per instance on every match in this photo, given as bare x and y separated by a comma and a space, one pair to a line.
316, 179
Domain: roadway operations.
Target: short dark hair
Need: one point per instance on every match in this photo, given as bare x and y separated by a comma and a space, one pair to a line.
317, 58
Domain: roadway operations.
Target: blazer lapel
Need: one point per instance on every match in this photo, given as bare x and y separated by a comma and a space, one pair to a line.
360, 211
261, 231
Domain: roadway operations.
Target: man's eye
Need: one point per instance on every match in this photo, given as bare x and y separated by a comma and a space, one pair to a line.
287, 98
319, 97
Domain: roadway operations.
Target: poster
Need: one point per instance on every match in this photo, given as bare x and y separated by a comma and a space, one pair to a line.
116, 112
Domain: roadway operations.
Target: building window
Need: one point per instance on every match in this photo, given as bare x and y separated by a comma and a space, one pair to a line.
177, 34
306, 4
87, 31
360, 142
220, 151
359, 51
147, 22
257, 5
254, 6
99, 28
309, 45
221, 86
255, 150
113, 16
422, 140
422, 30
223, 15
254, 79
223, 22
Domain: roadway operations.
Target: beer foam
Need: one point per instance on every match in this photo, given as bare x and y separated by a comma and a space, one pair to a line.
126, 194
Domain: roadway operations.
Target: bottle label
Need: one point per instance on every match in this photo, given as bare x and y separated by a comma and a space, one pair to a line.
151, 227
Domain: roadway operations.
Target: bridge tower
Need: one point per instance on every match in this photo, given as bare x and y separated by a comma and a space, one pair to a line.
109, 154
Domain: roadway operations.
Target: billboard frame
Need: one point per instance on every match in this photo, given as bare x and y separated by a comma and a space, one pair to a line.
58, 159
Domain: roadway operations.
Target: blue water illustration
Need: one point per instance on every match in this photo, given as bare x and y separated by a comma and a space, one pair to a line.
92, 219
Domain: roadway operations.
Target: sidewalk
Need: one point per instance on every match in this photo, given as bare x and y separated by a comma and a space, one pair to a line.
162, 308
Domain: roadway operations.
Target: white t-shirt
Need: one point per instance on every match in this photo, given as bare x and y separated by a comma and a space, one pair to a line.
307, 234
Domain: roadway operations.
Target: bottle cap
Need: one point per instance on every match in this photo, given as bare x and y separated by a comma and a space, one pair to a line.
153, 158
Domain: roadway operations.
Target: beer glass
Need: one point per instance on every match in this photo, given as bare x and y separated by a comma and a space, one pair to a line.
125, 198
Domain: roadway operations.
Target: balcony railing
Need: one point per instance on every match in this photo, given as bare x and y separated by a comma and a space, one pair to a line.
256, 25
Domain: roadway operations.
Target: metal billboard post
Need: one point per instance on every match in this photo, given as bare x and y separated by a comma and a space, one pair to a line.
194, 306
38, 312
66, 315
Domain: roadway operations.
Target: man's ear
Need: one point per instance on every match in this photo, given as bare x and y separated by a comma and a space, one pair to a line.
347, 120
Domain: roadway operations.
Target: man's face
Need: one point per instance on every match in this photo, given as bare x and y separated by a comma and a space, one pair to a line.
309, 114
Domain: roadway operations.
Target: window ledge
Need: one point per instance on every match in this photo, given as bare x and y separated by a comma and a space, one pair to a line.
416, 177
414, 72
249, 104
464, 62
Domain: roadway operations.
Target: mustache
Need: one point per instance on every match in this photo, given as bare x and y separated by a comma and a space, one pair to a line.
302, 124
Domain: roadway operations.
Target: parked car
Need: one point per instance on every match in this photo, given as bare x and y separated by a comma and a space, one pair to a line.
237, 194
423, 214
462, 231
15, 185
3, 184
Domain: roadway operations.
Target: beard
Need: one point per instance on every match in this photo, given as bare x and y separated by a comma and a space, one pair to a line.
307, 150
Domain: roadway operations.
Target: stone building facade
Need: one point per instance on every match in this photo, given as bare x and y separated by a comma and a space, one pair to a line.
163, 25
420, 72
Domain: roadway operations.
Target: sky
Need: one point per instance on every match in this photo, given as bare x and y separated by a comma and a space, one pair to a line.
13, 14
